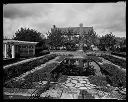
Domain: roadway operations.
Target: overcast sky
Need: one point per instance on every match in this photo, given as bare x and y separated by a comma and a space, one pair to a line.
104, 17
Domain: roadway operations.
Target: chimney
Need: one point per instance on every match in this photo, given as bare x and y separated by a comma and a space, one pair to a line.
81, 25
54, 26
81, 28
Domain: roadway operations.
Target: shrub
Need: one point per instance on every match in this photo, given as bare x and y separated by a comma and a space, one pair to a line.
115, 76
116, 61
17, 70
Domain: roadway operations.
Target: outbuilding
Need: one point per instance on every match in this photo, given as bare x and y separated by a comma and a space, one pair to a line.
16, 48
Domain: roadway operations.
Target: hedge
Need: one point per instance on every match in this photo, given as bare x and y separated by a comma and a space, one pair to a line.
116, 61
12, 60
39, 75
114, 75
119, 54
15, 71
112, 59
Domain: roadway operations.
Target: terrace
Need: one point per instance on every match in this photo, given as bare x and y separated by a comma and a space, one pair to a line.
68, 77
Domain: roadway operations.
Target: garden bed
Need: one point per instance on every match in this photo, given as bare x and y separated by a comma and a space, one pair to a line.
27, 82
17, 70
12, 60
114, 76
116, 61
123, 54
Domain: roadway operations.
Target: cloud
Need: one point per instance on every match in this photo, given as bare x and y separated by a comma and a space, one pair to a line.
104, 17
13, 11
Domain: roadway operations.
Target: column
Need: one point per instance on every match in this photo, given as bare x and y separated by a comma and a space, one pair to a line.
5, 50
81, 35
13, 51
28, 49
33, 50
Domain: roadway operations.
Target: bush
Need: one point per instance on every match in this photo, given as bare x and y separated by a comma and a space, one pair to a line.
39, 75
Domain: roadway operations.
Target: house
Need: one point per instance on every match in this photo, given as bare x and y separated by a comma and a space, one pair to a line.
77, 30
16, 48
75, 33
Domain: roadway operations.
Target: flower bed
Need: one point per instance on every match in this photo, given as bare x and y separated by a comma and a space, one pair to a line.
17, 70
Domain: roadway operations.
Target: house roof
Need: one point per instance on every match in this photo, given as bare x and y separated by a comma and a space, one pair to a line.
77, 29
19, 42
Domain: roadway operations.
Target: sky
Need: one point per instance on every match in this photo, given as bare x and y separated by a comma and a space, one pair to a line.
103, 17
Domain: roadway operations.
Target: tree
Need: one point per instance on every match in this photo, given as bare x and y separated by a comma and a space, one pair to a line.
55, 38
28, 35
90, 39
107, 42
71, 40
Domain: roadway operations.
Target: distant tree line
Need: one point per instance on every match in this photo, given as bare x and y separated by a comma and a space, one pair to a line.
68, 41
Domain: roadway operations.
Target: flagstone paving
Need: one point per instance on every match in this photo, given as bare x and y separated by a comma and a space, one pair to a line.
71, 89
73, 86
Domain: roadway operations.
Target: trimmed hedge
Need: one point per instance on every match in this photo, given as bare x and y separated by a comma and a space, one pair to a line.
116, 61
15, 71
119, 54
39, 75
112, 59
10, 61
114, 76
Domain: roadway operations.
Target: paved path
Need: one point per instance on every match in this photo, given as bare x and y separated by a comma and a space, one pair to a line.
71, 89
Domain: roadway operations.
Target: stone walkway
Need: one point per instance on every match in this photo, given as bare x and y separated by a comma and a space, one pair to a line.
71, 89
